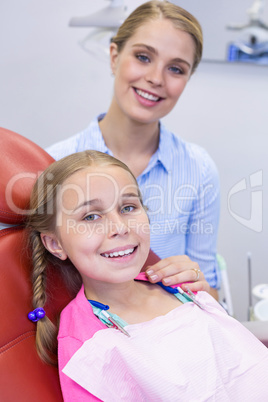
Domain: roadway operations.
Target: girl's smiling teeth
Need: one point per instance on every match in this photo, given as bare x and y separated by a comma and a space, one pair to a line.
147, 95
120, 253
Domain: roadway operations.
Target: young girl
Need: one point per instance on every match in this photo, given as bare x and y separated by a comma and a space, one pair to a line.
123, 338
153, 55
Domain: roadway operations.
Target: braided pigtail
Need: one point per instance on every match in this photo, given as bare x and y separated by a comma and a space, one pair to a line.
46, 331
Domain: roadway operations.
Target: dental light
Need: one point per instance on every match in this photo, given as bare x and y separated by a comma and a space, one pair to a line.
105, 24
111, 16
254, 13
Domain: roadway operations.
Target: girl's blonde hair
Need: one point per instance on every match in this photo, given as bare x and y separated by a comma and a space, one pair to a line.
152, 10
42, 219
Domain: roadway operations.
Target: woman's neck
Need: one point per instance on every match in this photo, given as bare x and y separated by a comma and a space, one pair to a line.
130, 141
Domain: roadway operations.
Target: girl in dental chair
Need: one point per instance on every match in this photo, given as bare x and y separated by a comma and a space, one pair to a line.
123, 338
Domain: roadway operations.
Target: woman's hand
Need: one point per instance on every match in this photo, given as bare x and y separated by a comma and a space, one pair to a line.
180, 270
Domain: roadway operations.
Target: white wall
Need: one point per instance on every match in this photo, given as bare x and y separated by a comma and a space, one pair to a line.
50, 89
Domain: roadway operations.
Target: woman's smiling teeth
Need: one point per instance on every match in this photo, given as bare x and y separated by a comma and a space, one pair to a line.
119, 253
146, 95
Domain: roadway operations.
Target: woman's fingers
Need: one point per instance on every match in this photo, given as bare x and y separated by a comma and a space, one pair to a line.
198, 286
180, 270
174, 270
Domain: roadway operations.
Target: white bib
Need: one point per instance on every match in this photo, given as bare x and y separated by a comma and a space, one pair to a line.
187, 355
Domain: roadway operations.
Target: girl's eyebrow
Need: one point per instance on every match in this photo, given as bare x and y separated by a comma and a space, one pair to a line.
154, 51
95, 201
129, 195
98, 201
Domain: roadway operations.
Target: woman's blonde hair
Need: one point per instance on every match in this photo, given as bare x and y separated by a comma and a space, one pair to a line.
42, 219
152, 10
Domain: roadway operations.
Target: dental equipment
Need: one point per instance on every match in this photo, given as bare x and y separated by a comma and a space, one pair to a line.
103, 310
189, 296
253, 42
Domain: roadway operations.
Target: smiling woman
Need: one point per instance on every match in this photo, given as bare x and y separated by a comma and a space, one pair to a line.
153, 55
150, 75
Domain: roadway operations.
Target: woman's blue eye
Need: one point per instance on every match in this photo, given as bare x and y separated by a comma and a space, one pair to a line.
91, 217
175, 70
127, 209
143, 58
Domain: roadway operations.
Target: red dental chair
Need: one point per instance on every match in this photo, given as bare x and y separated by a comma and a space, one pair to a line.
23, 376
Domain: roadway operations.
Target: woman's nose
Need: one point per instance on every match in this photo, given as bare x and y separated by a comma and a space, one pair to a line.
155, 75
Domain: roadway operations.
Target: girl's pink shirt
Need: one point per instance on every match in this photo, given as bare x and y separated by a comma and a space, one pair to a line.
77, 324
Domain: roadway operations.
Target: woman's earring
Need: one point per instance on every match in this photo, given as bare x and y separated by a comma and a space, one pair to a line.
60, 255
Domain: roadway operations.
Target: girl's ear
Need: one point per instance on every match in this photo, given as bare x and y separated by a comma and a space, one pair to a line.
113, 56
53, 245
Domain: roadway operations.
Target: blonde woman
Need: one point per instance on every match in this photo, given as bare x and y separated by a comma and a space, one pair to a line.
153, 56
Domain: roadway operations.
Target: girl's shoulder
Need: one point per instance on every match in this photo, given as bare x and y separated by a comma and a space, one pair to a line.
77, 319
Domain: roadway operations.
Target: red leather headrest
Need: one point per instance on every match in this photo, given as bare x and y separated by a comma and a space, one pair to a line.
20, 160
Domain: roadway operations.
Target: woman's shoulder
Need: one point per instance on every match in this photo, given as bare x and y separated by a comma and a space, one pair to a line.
188, 153
89, 138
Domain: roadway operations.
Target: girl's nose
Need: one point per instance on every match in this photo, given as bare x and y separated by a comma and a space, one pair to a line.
117, 226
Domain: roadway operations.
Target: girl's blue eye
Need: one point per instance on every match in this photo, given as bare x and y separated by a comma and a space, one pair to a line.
127, 209
143, 58
92, 217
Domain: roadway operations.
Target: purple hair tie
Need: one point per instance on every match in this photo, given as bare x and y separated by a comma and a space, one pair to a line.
36, 314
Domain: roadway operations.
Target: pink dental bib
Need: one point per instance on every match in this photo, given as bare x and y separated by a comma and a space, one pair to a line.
187, 355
